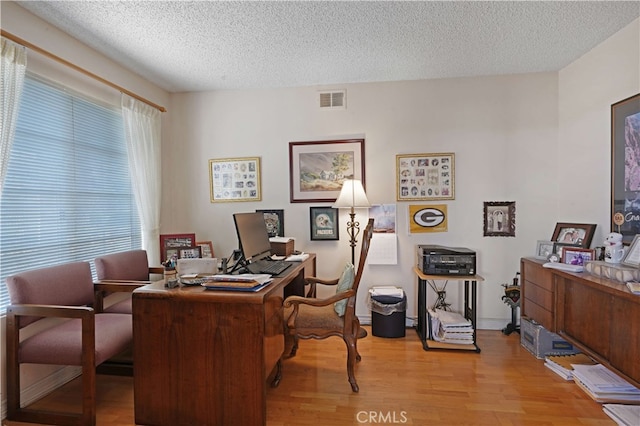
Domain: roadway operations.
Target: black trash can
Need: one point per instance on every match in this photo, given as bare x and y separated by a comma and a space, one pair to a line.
388, 315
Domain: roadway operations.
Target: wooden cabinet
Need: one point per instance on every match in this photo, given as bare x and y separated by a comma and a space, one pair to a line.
537, 292
599, 316
602, 318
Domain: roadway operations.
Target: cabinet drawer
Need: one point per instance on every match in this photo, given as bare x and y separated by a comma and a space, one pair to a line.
538, 314
535, 273
539, 295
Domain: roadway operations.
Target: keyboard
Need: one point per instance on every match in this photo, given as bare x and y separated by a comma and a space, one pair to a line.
271, 267
564, 267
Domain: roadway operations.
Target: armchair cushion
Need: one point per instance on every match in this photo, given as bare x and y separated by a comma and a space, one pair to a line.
344, 283
317, 317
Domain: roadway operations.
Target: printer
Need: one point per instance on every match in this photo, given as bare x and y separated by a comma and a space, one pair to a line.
440, 260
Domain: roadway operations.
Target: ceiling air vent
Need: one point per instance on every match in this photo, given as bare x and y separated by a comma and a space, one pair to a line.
333, 100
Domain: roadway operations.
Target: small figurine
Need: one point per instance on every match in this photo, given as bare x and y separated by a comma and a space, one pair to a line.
613, 248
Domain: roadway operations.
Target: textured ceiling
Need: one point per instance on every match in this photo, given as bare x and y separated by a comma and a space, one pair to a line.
213, 45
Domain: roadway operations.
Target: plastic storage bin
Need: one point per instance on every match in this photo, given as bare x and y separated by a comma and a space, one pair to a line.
388, 314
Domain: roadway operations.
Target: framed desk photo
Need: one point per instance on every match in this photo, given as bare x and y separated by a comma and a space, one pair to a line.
317, 169
425, 177
235, 179
625, 166
171, 243
206, 248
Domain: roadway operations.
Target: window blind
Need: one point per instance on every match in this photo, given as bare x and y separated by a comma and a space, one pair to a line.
67, 193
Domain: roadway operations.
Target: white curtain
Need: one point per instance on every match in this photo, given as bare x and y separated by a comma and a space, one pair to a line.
14, 65
142, 130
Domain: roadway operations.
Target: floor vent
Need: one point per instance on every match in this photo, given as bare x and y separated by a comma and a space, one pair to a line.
333, 100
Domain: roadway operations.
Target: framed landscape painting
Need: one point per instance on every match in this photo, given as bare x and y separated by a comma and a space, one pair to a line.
317, 169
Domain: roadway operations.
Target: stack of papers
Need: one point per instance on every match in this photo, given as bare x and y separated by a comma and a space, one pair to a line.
623, 415
297, 257
603, 385
387, 291
562, 365
450, 327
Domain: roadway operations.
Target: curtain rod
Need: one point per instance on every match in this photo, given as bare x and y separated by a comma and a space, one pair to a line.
79, 69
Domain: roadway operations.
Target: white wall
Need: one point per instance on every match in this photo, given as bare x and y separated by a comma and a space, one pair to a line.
500, 128
588, 87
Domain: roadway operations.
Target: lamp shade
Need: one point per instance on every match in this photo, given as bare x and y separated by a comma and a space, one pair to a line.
352, 195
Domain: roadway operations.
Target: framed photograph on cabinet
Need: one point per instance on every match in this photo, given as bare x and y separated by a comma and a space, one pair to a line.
499, 218
234, 179
275, 222
425, 177
632, 256
544, 249
317, 169
579, 234
577, 255
189, 252
323, 223
625, 168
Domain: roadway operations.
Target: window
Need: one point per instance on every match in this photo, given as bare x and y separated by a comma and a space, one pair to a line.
67, 193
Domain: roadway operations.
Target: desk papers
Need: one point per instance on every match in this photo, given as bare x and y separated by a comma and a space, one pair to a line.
623, 415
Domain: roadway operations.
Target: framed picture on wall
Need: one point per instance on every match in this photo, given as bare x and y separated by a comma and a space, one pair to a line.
274, 220
234, 179
323, 223
499, 218
317, 169
425, 176
625, 168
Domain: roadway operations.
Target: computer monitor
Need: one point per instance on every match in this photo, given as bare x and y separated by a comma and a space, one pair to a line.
252, 235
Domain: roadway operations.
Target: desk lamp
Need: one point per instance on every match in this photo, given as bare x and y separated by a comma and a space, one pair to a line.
352, 196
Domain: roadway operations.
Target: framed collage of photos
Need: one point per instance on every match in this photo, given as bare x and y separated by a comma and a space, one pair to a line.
425, 177
235, 179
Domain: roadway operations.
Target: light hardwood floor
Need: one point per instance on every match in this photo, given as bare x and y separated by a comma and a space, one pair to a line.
400, 383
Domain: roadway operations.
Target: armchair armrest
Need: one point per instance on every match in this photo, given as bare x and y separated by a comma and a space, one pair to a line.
312, 281
156, 270
103, 287
296, 301
51, 311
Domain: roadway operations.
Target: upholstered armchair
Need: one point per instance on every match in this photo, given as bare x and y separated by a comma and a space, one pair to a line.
120, 272
314, 318
78, 336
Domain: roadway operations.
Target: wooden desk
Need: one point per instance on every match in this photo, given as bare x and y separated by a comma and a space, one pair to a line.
470, 311
203, 357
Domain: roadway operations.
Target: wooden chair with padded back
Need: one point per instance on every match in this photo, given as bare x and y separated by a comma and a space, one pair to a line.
313, 318
87, 338
119, 272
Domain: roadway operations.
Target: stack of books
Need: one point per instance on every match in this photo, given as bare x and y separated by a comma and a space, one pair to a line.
450, 327
605, 386
562, 365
